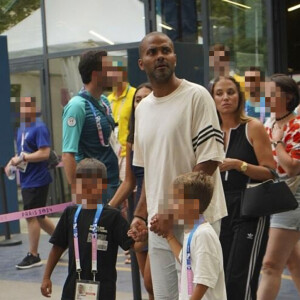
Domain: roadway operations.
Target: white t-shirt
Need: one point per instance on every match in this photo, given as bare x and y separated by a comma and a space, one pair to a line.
172, 135
207, 264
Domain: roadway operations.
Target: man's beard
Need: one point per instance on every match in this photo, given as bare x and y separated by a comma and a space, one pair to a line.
161, 77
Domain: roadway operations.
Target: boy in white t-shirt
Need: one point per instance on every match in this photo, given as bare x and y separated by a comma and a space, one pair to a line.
202, 276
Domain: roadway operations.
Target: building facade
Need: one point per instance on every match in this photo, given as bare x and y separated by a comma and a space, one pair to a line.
46, 38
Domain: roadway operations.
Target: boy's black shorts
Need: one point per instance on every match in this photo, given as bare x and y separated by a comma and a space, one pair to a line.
35, 197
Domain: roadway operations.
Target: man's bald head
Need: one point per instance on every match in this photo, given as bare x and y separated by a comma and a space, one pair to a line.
151, 35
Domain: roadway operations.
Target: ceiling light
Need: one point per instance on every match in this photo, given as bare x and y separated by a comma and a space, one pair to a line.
101, 37
165, 26
237, 4
294, 7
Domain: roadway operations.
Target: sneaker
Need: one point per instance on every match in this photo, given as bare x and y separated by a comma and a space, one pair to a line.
29, 261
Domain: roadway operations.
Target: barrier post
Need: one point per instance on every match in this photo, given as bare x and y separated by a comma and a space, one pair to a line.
135, 272
8, 240
8, 117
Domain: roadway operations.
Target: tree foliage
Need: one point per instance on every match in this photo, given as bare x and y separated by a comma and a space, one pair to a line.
13, 12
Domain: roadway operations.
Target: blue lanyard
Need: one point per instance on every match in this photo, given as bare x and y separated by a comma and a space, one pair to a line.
188, 247
94, 239
188, 256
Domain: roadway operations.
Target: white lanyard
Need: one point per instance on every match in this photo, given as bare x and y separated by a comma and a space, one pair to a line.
22, 141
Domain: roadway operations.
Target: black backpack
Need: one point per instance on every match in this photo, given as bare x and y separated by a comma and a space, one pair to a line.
53, 159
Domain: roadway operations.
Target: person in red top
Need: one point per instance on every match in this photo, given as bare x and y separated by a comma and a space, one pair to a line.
283, 247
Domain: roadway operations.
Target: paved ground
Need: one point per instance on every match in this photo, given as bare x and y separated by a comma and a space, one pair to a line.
25, 284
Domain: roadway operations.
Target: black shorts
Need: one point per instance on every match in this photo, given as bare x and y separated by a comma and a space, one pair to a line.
35, 197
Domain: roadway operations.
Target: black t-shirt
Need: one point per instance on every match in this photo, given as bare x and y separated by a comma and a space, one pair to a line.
112, 232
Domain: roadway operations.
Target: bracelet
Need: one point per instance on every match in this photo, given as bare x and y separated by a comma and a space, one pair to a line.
278, 142
139, 217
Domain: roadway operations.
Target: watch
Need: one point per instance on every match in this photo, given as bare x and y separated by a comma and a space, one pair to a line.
244, 166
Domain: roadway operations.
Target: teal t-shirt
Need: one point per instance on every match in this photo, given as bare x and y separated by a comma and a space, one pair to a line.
80, 135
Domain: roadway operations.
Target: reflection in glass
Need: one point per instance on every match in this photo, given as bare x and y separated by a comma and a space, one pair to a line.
241, 26
26, 84
65, 82
72, 24
178, 19
20, 21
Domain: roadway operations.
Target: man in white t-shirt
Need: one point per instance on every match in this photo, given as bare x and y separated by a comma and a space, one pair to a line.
176, 131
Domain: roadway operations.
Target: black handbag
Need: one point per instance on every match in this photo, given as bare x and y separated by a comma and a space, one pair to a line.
267, 198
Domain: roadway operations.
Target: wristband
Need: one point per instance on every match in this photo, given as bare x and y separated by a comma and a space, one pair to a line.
278, 142
139, 217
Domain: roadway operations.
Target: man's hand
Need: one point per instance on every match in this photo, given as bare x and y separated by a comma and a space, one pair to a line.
161, 224
15, 160
46, 288
138, 230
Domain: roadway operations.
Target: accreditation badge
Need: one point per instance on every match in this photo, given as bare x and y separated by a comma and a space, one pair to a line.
22, 166
87, 290
116, 132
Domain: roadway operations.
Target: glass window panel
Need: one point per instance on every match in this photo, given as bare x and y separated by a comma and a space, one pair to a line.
180, 20
65, 82
74, 24
293, 36
24, 84
20, 21
241, 26
27, 84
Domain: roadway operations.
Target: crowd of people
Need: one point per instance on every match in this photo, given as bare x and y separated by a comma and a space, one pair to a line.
186, 154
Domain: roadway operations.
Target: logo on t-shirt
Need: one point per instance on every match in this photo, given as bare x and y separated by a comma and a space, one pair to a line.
71, 122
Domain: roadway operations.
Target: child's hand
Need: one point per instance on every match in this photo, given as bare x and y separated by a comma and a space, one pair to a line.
155, 224
138, 230
161, 224
131, 233
46, 288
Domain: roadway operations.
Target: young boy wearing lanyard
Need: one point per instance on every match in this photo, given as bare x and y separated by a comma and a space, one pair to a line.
200, 256
93, 234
